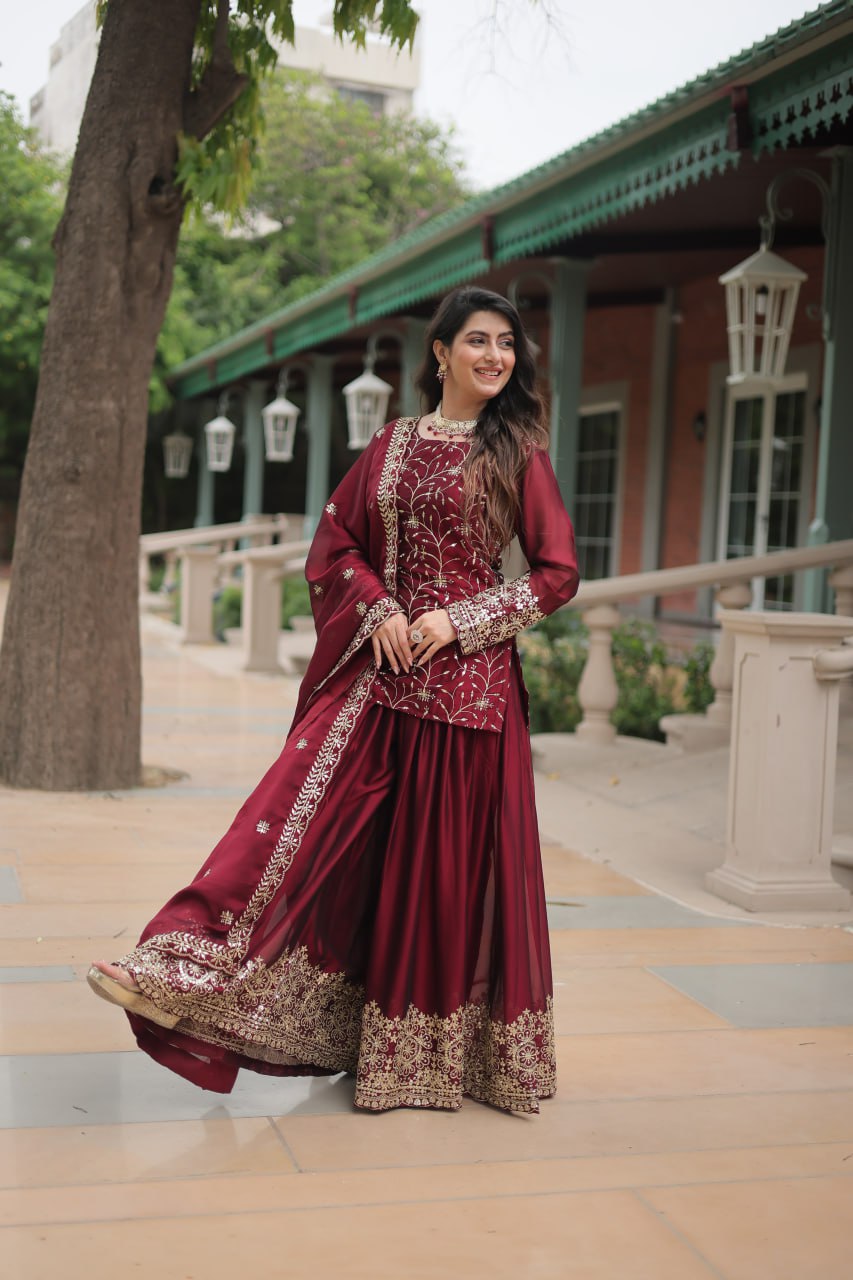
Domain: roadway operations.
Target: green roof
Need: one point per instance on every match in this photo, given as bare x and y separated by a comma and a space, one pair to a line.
798, 78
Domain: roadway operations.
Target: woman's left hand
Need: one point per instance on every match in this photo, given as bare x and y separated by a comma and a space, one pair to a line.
437, 631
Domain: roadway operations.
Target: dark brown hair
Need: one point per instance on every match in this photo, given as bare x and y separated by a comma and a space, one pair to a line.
510, 427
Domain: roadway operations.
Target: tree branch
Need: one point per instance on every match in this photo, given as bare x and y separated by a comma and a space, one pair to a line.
220, 86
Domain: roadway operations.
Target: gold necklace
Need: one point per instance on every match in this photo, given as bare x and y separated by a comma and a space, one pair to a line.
451, 426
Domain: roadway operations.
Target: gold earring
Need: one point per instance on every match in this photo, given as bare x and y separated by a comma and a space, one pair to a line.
442, 372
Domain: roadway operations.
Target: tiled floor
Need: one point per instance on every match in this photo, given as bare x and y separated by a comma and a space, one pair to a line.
703, 1128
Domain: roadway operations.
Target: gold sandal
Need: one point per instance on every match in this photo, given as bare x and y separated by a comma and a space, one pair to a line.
134, 1001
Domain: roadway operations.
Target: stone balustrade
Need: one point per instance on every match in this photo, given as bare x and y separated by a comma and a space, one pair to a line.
782, 764
732, 580
255, 531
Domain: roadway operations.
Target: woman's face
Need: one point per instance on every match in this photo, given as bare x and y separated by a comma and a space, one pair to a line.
480, 359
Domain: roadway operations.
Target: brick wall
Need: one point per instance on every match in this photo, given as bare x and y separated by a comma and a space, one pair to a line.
618, 347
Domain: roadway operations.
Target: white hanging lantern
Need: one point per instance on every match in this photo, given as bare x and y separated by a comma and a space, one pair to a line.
367, 404
761, 298
219, 434
177, 455
279, 419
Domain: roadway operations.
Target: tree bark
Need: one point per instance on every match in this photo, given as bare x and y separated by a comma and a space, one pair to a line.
70, 675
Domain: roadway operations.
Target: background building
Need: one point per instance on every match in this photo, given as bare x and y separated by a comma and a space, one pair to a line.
613, 251
377, 75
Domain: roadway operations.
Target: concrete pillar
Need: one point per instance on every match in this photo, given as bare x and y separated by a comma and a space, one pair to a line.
414, 336
199, 572
205, 500
568, 318
318, 423
782, 764
261, 616
253, 436
833, 518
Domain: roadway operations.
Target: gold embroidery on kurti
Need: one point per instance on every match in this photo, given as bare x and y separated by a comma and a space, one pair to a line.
495, 614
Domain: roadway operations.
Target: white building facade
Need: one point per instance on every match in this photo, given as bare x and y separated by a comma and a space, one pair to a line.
383, 78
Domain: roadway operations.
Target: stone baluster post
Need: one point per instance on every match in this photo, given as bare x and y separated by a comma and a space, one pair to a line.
199, 571
733, 595
261, 614
841, 581
144, 573
233, 572
170, 577
598, 692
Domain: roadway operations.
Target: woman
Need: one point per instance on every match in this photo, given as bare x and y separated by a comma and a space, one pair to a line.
377, 905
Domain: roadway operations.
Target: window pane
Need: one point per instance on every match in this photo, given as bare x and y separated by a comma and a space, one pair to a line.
595, 487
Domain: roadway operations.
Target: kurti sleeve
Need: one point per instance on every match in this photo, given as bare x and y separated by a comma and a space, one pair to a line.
548, 542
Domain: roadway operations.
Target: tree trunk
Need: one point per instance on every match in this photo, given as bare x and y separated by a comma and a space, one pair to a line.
70, 679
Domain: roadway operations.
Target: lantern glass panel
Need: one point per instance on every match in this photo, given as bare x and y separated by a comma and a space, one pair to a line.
219, 435
367, 402
177, 455
761, 298
279, 420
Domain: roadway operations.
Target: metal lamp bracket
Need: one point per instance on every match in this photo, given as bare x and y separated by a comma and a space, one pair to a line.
373, 341
777, 213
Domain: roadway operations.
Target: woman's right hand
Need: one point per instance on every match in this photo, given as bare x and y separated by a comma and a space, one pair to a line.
391, 640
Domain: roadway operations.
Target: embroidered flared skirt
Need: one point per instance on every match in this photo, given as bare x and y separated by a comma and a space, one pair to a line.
376, 907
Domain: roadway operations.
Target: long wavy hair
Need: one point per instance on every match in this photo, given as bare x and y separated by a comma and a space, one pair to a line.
511, 426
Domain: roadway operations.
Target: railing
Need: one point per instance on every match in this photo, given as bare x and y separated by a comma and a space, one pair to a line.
209, 555
257, 531
733, 581
208, 558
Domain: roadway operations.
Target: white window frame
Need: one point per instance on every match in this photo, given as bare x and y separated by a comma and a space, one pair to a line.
768, 391
610, 400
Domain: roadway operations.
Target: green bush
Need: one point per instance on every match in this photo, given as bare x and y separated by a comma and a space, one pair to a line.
295, 600
651, 683
227, 609
698, 690
228, 605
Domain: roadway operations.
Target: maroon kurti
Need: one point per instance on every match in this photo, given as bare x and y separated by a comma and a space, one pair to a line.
377, 906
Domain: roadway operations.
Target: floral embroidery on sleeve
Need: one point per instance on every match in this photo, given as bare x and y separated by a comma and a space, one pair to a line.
495, 614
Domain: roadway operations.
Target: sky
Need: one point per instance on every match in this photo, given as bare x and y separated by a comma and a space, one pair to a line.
517, 95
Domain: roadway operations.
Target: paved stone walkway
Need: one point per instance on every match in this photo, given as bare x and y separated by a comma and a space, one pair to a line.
703, 1126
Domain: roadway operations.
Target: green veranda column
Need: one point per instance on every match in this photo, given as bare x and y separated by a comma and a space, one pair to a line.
412, 355
253, 440
568, 316
205, 497
833, 518
318, 423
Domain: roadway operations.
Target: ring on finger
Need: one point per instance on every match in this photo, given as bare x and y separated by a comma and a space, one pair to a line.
417, 636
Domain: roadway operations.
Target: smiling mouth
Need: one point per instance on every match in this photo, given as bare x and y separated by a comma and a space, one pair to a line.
488, 373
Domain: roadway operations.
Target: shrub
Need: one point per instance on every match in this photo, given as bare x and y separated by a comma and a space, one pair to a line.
227, 609
228, 605
295, 599
698, 690
651, 684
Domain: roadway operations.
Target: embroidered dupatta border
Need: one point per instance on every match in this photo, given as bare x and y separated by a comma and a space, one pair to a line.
227, 957
387, 492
